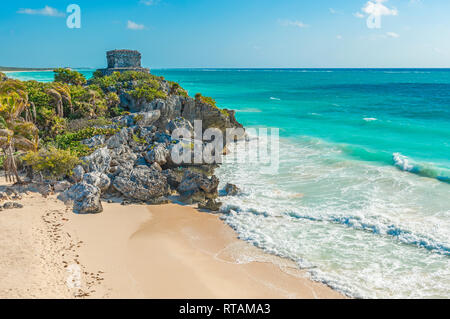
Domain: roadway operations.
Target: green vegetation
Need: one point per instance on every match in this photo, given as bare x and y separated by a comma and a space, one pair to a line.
42, 125
16, 133
140, 85
176, 89
72, 141
210, 101
147, 93
139, 140
68, 76
52, 162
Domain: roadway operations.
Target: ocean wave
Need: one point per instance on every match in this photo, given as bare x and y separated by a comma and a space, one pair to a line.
275, 98
380, 228
422, 169
249, 111
375, 226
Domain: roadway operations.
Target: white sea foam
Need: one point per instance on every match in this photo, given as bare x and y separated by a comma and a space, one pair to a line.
368, 230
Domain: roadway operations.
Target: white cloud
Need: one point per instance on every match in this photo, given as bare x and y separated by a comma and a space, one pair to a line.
334, 11
46, 11
392, 34
339, 37
378, 9
134, 26
290, 23
374, 10
149, 2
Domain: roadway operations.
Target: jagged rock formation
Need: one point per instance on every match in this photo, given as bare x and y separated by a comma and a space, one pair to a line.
136, 164
136, 161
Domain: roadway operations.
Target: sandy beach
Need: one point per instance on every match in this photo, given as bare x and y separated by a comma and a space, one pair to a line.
167, 251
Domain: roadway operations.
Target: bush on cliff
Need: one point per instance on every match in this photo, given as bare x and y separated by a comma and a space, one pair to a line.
88, 102
210, 101
139, 85
52, 162
69, 77
72, 141
176, 89
147, 93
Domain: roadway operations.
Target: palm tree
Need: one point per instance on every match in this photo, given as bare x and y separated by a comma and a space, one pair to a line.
60, 95
15, 132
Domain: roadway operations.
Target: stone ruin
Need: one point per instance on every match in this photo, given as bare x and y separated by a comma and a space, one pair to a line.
123, 60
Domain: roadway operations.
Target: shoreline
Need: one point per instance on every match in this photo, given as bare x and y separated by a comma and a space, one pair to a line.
164, 251
22, 71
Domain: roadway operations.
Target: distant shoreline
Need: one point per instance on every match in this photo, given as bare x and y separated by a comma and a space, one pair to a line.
11, 69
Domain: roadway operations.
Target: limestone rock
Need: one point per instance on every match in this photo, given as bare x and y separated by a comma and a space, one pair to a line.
61, 186
158, 154
211, 205
231, 190
141, 183
198, 187
98, 161
179, 123
85, 198
147, 118
119, 139
100, 180
95, 141
78, 173
174, 177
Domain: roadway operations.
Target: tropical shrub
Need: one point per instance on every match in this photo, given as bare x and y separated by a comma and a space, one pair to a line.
176, 89
88, 102
16, 134
52, 162
69, 77
205, 99
72, 141
147, 93
210, 101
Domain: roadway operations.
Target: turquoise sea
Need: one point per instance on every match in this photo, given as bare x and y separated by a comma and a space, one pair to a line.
362, 198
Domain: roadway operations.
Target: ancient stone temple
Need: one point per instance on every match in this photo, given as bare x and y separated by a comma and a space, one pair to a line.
123, 60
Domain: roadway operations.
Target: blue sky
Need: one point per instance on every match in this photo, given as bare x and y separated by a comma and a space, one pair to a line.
231, 33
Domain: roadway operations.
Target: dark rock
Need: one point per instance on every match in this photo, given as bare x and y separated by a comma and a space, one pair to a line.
45, 189
231, 190
141, 183
85, 198
156, 167
78, 173
211, 205
12, 205
61, 186
174, 176
198, 187
158, 154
